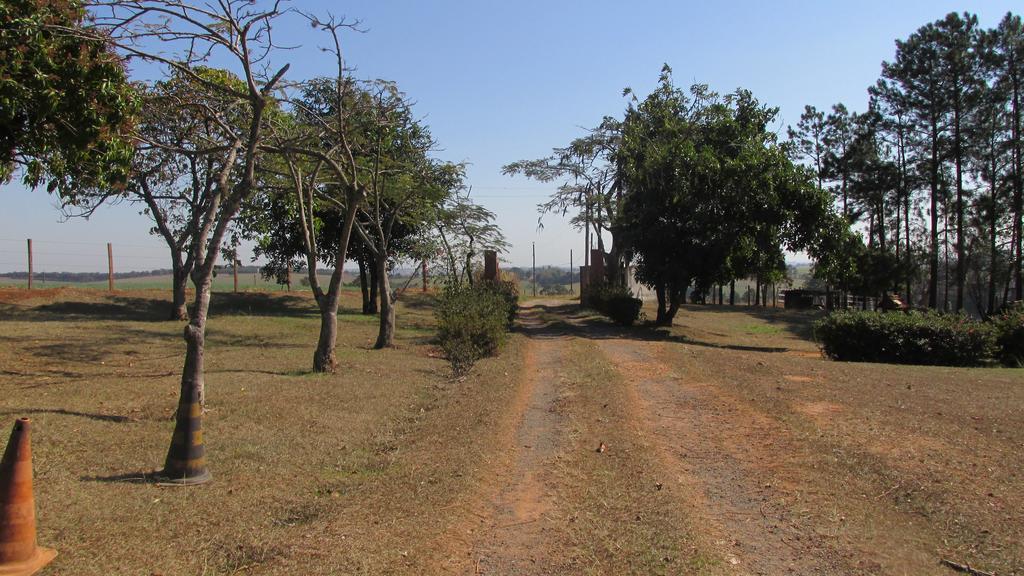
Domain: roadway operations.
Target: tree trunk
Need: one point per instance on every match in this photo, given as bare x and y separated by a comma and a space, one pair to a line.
993, 248
732, 293
364, 288
659, 290
192, 377
179, 285
1018, 190
676, 297
933, 258
907, 252
386, 334
961, 268
324, 359
374, 295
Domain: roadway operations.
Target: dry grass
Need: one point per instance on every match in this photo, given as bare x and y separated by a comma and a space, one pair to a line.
313, 474
623, 515
903, 457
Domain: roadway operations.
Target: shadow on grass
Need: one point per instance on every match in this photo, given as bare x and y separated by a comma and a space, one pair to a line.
800, 323
556, 321
63, 412
142, 309
147, 477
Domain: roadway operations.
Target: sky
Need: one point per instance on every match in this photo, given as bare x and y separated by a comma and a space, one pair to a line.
503, 81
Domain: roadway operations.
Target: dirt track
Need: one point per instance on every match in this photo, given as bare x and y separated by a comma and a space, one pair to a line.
766, 496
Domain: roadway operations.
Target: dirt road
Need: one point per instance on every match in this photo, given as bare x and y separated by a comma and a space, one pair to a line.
704, 478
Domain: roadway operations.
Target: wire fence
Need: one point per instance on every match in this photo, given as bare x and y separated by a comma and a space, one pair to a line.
34, 263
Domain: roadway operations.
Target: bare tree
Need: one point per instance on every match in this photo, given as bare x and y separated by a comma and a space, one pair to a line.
183, 38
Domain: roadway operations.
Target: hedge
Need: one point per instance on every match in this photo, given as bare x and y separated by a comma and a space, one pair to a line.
906, 338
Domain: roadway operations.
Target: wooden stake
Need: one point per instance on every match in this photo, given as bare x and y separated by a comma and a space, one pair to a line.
110, 266
534, 269
29, 263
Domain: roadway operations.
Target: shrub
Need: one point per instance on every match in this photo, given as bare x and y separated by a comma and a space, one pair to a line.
905, 338
616, 302
472, 323
508, 290
1009, 335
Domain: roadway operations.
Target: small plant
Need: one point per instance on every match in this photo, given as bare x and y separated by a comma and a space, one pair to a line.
1009, 335
910, 338
472, 322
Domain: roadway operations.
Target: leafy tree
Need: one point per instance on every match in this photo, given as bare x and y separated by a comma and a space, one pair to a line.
174, 169
66, 107
710, 194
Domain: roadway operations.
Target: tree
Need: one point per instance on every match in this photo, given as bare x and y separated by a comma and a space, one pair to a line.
710, 194
918, 72
590, 185
1009, 64
808, 141
404, 187
958, 37
463, 229
173, 170
237, 32
325, 154
66, 107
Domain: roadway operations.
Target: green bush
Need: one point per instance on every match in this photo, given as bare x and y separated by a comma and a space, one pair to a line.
508, 290
472, 323
905, 338
616, 302
1009, 334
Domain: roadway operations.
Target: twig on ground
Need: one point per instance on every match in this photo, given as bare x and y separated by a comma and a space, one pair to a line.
964, 568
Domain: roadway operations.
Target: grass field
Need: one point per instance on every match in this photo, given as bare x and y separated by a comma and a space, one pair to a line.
726, 445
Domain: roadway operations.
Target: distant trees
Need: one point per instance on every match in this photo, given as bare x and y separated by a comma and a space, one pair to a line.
932, 170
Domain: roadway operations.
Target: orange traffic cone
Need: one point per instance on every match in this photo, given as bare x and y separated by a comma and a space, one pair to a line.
19, 555
186, 459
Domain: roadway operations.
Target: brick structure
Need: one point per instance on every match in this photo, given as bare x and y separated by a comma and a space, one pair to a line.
491, 271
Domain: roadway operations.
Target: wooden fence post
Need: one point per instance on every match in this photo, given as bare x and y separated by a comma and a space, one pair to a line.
29, 263
110, 266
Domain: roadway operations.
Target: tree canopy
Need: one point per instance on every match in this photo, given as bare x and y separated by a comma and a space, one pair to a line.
66, 106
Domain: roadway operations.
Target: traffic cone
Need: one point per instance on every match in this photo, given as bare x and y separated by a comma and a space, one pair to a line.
19, 555
186, 461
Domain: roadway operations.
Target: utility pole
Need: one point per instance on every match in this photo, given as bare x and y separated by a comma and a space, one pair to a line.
534, 269
110, 266
570, 272
29, 263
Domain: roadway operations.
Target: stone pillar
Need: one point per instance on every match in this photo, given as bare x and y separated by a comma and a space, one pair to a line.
491, 271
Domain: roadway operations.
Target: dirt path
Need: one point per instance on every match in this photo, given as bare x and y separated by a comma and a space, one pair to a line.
769, 499
519, 530
763, 497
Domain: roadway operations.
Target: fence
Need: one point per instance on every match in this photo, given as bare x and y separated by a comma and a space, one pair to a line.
33, 263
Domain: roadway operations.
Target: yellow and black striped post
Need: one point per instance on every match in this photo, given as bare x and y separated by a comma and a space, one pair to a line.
186, 460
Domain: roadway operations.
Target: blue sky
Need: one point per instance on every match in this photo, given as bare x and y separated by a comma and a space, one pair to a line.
502, 81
